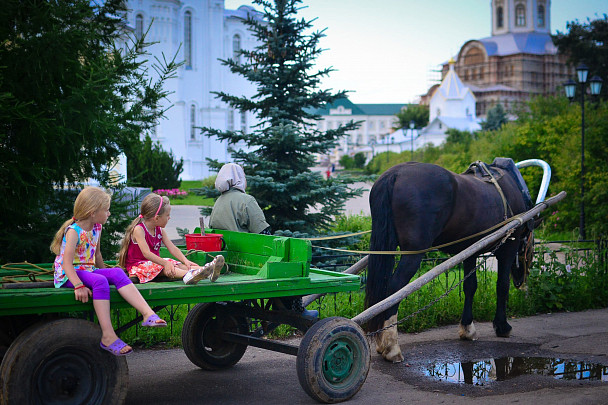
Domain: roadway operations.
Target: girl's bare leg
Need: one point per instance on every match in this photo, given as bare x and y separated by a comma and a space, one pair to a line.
108, 335
132, 295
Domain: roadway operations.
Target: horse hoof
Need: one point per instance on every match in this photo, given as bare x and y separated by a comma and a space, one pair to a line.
393, 354
379, 344
467, 332
504, 331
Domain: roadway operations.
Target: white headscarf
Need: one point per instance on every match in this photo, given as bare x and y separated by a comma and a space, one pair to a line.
230, 176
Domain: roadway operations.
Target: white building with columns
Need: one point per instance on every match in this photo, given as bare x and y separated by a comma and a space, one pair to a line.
200, 32
378, 121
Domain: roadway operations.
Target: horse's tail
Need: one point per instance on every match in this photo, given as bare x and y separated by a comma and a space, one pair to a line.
383, 238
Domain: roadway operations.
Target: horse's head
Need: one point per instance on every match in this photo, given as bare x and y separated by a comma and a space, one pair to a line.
523, 260
525, 255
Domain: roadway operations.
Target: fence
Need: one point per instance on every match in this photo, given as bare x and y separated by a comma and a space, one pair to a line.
350, 304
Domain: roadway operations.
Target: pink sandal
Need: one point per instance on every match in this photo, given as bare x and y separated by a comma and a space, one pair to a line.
152, 322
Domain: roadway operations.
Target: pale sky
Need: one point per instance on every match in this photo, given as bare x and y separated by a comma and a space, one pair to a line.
385, 50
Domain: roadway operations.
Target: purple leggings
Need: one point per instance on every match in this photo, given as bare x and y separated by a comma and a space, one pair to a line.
99, 281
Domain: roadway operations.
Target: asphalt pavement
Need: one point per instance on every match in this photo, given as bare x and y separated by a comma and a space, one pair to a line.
263, 377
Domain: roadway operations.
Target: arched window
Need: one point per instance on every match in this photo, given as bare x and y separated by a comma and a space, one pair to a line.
236, 48
139, 26
244, 121
541, 15
473, 56
231, 120
520, 15
188, 39
499, 17
192, 122
438, 112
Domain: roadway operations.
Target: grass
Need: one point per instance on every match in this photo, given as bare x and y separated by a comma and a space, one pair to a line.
192, 199
568, 280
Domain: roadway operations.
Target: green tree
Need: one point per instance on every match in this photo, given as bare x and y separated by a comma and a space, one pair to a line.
496, 118
282, 147
587, 43
71, 101
359, 160
418, 113
151, 166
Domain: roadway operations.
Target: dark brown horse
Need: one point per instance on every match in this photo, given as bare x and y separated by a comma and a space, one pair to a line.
417, 206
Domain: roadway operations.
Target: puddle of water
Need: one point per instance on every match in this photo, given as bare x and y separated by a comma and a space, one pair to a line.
501, 369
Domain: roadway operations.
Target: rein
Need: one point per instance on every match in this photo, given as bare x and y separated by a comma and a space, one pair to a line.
416, 252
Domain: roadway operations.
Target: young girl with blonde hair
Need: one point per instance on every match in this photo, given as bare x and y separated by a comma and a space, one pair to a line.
79, 265
139, 253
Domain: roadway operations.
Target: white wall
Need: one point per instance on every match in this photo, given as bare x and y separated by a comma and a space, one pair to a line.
212, 34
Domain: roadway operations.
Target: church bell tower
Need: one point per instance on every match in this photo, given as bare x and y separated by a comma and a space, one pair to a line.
520, 16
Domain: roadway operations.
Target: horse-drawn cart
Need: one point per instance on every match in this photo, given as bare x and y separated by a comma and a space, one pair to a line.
50, 352
51, 356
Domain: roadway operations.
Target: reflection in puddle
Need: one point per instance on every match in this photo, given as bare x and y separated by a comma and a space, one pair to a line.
486, 371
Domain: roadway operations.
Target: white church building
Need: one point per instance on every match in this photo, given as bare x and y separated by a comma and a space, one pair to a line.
200, 32
451, 106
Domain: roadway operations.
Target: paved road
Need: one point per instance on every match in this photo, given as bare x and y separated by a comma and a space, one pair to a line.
263, 377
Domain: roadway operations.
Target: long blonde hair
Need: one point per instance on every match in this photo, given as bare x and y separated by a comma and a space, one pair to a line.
89, 200
149, 209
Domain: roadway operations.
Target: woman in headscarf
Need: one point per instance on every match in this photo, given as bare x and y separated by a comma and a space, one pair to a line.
235, 210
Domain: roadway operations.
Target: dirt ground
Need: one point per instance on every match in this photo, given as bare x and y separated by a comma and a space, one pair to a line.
263, 377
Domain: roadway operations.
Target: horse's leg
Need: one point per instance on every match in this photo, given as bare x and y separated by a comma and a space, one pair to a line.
505, 257
466, 330
387, 342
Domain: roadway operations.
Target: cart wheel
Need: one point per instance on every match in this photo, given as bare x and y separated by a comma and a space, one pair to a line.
333, 360
60, 362
202, 340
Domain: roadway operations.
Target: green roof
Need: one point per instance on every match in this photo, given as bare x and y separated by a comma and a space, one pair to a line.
361, 109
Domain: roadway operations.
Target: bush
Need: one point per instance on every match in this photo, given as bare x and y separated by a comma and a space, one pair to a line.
359, 160
148, 165
347, 162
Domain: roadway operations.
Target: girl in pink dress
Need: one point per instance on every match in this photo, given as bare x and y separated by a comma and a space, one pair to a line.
139, 253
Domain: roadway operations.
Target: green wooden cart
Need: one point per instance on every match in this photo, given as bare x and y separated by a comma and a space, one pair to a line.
51, 354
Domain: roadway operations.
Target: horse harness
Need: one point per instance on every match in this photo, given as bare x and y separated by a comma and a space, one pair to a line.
480, 171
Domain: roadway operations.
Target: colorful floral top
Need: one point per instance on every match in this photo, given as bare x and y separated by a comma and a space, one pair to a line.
84, 257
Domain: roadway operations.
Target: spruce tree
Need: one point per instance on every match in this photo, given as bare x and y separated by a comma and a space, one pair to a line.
75, 92
282, 147
496, 118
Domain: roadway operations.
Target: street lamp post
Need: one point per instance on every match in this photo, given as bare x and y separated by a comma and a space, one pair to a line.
412, 125
570, 88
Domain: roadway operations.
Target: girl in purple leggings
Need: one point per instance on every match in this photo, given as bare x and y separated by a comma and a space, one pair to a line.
79, 265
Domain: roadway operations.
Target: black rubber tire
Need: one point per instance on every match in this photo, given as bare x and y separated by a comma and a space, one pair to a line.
201, 337
333, 360
60, 362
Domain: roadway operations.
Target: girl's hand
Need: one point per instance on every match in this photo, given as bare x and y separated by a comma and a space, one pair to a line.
82, 294
190, 264
169, 269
